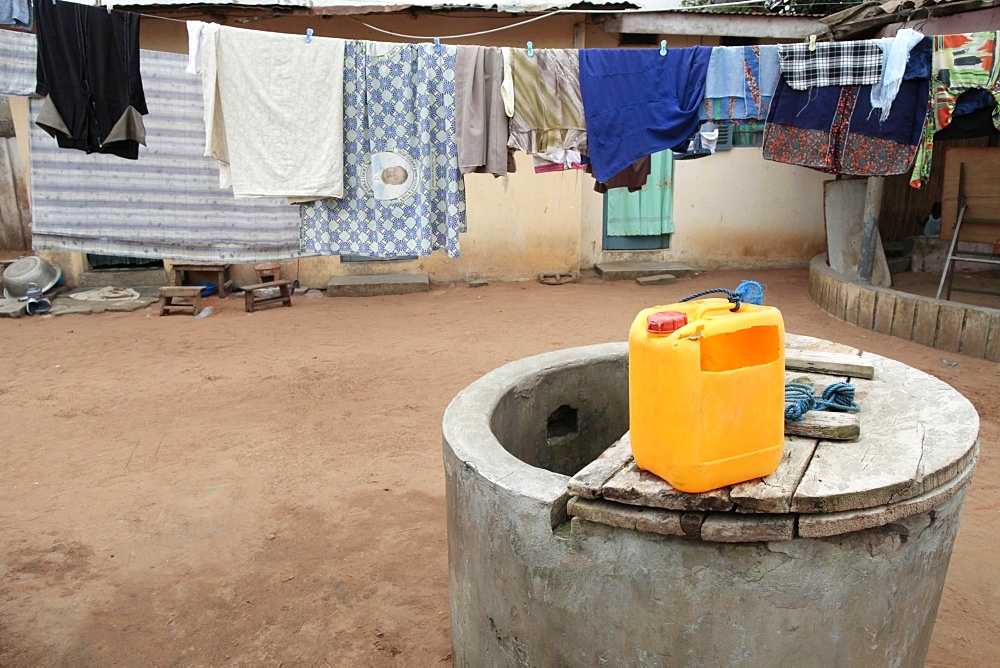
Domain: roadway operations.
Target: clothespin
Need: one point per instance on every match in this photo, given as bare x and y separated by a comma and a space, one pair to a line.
812, 42
663, 47
531, 50
109, 5
309, 35
437, 45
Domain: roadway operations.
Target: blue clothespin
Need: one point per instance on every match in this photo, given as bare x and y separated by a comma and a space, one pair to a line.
437, 45
531, 50
309, 35
663, 47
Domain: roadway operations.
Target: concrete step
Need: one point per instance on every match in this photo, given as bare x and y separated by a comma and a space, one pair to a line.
123, 278
627, 271
658, 279
377, 284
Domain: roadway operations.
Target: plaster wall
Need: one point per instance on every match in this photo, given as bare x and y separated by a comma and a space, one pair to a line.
732, 210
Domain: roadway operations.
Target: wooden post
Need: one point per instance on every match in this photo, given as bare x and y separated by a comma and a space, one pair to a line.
869, 229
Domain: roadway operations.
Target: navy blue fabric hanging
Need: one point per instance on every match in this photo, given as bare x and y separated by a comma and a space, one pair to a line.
638, 102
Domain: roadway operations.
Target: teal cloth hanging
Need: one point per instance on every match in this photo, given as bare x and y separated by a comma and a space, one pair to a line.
647, 212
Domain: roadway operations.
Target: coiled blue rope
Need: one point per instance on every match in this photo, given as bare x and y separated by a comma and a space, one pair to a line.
801, 400
751, 292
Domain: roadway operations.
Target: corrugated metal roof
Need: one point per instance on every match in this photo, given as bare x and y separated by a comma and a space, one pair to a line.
869, 17
167, 204
368, 6
372, 6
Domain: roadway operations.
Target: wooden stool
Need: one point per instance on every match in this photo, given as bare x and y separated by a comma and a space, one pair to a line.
267, 271
252, 301
191, 294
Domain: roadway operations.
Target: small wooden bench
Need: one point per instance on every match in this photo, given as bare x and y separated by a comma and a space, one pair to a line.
253, 301
190, 294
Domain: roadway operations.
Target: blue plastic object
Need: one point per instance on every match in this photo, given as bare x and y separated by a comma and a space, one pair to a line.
210, 288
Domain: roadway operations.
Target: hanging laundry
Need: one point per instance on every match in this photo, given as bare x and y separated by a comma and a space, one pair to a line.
507, 84
961, 64
196, 36
701, 145
650, 211
275, 124
633, 178
167, 205
895, 56
834, 129
638, 102
16, 13
18, 59
403, 194
548, 120
739, 83
855, 63
88, 70
482, 126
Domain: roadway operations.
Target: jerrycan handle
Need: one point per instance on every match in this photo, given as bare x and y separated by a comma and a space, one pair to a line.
734, 301
704, 309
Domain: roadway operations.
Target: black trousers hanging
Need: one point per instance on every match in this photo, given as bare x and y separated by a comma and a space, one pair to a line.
88, 69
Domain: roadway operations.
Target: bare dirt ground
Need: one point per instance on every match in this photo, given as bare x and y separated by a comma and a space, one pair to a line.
267, 488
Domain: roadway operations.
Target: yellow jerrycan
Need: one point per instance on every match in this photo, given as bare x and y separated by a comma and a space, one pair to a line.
706, 392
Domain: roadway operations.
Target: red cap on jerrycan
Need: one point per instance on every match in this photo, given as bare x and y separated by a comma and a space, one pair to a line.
665, 322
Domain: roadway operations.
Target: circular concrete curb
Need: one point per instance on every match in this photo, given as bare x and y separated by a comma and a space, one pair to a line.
941, 324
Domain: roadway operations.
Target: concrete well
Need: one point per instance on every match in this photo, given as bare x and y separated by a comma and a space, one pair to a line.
532, 586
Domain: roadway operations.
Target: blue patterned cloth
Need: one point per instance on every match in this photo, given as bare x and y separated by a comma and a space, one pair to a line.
403, 193
740, 83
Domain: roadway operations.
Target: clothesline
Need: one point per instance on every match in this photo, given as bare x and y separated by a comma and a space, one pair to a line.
403, 105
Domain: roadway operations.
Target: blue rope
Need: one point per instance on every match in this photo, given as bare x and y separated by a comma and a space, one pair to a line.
734, 297
800, 399
752, 292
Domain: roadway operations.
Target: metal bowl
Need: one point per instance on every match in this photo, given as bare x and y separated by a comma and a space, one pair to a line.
29, 269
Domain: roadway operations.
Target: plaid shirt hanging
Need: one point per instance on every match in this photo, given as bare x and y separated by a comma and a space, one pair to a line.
856, 63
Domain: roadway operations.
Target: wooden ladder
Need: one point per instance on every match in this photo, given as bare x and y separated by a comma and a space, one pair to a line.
964, 256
